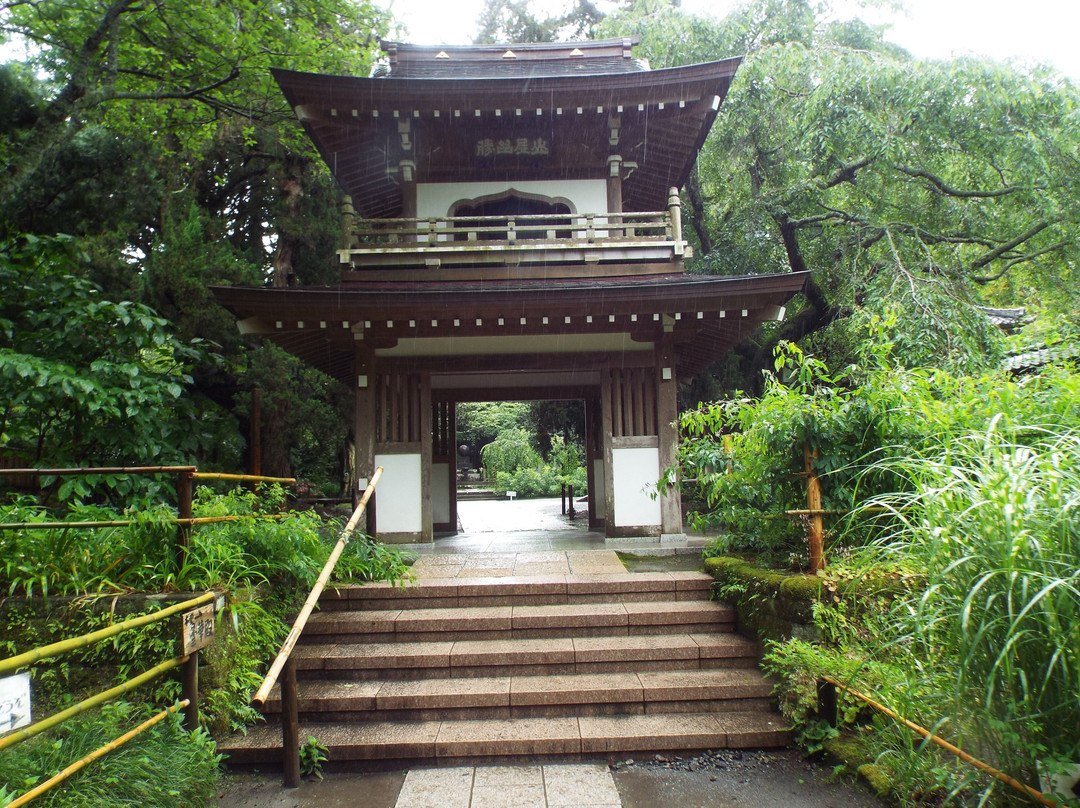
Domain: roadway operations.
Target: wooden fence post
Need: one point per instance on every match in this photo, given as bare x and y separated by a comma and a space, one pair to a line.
183, 511
290, 729
189, 689
813, 504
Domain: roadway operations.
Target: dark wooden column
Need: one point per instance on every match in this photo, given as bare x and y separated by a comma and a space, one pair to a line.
364, 367
426, 455
594, 450
667, 411
606, 414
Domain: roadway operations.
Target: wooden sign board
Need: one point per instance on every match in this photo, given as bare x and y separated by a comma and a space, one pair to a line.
14, 702
197, 629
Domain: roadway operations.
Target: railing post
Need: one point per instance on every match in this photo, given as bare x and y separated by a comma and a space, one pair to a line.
183, 511
675, 214
290, 729
189, 689
348, 223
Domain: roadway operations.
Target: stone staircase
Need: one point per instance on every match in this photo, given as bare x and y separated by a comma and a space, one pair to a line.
461, 669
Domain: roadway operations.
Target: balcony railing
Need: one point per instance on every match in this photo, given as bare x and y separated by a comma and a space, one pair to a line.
575, 238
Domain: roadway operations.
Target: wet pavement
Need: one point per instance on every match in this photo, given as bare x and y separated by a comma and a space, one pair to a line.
720, 779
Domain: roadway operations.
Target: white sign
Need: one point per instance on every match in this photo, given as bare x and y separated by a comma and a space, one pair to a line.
14, 702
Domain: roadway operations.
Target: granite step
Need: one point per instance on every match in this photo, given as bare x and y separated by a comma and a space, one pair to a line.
737, 690
396, 743
521, 590
520, 621
546, 656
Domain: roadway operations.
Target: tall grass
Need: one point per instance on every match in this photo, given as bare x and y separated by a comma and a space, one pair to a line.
994, 525
165, 767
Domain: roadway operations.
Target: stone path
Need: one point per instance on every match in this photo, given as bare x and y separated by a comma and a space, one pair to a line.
575, 785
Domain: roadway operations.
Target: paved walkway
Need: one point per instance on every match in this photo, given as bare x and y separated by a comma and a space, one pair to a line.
573, 785
538, 525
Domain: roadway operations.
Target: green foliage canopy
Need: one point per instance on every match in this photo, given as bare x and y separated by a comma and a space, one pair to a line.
83, 379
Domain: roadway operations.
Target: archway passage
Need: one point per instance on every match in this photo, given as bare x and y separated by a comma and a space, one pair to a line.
538, 447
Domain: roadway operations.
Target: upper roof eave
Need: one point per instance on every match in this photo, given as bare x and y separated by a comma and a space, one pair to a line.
364, 92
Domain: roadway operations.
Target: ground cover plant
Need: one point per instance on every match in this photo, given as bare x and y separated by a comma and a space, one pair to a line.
166, 767
265, 566
964, 495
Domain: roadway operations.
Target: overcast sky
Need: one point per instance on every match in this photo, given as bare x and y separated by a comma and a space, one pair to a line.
1030, 31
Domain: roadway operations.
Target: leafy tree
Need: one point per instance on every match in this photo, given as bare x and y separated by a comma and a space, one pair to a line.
83, 379
514, 21
157, 138
911, 189
479, 423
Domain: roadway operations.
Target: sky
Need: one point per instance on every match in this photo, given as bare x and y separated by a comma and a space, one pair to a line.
1034, 31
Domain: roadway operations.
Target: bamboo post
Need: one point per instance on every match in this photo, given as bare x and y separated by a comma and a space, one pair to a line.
290, 728
189, 691
183, 511
813, 504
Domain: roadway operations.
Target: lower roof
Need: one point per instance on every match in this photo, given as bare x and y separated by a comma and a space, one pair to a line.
467, 324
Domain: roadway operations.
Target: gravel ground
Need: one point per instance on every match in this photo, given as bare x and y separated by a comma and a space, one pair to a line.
735, 779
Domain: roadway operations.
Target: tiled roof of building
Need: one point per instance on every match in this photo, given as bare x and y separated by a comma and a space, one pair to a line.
1037, 356
505, 61
1007, 320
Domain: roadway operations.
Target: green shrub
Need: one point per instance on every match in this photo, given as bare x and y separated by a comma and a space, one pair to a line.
165, 766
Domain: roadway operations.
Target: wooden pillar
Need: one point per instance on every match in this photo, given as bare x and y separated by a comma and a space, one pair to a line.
593, 451
183, 511
607, 448
427, 532
189, 689
364, 461
667, 412
452, 439
290, 726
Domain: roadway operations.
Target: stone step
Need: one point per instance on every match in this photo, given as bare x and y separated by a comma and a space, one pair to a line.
523, 657
522, 590
739, 690
397, 743
520, 622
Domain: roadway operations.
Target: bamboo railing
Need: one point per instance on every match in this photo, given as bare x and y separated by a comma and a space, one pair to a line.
827, 707
185, 476
285, 667
189, 687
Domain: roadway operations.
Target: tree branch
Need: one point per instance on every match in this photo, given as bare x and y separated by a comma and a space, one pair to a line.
1020, 259
1000, 250
948, 190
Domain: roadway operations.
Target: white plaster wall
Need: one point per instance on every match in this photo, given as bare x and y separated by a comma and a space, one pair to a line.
634, 475
399, 493
440, 492
597, 495
436, 199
